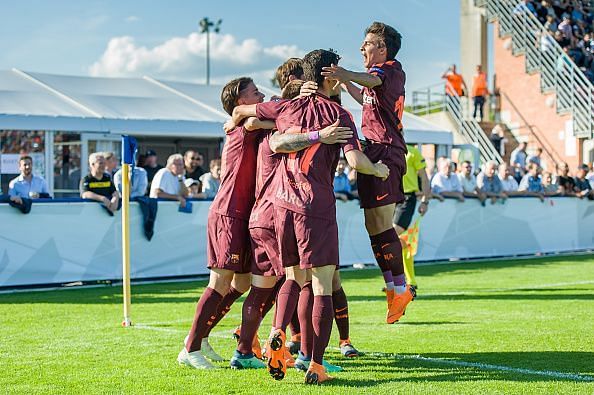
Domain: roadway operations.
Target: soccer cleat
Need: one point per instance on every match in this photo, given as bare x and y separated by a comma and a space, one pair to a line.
347, 349
302, 364
249, 361
256, 349
399, 304
194, 359
289, 360
390, 297
316, 374
295, 344
276, 361
208, 351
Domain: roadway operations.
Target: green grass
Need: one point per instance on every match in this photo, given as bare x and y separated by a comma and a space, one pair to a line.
508, 314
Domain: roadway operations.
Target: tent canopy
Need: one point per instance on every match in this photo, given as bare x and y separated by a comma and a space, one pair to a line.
141, 106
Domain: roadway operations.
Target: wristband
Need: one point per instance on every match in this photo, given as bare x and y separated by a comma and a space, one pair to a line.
313, 137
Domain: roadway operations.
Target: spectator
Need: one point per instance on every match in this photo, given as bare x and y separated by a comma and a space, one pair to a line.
138, 182
488, 182
508, 182
169, 182
561, 39
193, 187
352, 174
193, 162
98, 185
27, 185
480, 91
211, 181
590, 175
531, 183
151, 166
550, 187
444, 182
536, 158
565, 27
111, 163
342, 185
518, 161
455, 85
551, 24
582, 185
498, 139
564, 180
468, 182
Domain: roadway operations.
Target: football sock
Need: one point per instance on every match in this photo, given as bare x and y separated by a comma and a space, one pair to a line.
251, 316
341, 313
322, 326
409, 266
376, 247
304, 310
294, 324
224, 307
203, 318
286, 303
392, 252
272, 298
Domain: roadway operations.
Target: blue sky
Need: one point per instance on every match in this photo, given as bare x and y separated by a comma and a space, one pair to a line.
135, 38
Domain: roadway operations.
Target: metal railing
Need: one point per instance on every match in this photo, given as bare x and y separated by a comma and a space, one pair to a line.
433, 99
559, 74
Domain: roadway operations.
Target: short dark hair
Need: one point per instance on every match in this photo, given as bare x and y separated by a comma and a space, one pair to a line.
314, 61
231, 92
25, 157
292, 89
292, 67
391, 37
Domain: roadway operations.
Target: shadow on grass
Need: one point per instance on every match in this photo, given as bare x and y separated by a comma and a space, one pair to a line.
536, 366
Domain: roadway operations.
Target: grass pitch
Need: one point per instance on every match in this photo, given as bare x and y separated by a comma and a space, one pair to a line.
488, 327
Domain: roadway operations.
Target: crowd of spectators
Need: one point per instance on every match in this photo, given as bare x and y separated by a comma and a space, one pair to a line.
570, 23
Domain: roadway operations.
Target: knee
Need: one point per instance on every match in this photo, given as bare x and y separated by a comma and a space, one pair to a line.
242, 282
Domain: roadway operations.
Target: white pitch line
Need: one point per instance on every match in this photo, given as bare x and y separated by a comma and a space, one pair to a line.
486, 366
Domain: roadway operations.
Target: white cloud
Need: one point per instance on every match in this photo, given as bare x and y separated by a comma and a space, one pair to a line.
132, 19
184, 57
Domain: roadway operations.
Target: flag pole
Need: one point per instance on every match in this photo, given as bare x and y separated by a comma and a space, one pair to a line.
128, 154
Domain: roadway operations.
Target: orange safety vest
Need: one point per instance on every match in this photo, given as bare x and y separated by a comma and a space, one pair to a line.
479, 85
454, 84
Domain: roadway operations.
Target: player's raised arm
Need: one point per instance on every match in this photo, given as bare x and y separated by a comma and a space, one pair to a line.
358, 161
343, 75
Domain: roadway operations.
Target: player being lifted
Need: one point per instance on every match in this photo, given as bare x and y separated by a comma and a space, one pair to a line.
382, 97
305, 208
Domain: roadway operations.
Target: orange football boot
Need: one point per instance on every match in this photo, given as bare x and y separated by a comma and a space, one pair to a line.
399, 303
277, 366
316, 374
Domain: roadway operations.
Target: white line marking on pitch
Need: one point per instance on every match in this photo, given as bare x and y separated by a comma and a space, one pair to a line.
486, 366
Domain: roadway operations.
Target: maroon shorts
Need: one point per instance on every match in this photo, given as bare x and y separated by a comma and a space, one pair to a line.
228, 243
375, 192
266, 255
305, 241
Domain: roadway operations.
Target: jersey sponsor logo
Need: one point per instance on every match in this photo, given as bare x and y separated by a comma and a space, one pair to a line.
381, 197
234, 259
102, 184
288, 197
368, 99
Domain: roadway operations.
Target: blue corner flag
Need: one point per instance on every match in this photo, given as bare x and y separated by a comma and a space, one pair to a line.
129, 150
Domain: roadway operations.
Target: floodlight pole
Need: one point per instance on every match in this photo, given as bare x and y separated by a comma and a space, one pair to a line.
205, 25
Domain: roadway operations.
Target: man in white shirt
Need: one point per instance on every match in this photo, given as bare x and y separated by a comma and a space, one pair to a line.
468, 182
169, 181
211, 181
26, 185
508, 182
444, 182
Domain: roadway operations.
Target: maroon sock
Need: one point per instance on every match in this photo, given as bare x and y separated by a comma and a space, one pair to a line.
376, 247
341, 313
203, 318
224, 307
294, 324
251, 316
392, 251
304, 309
322, 326
272, 298
286, 302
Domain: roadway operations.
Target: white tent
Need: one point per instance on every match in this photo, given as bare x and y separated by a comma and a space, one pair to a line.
141, 106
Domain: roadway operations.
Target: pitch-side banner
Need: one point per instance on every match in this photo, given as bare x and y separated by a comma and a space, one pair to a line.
78, 241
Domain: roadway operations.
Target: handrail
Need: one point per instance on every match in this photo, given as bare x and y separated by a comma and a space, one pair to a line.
542, 140
559, 74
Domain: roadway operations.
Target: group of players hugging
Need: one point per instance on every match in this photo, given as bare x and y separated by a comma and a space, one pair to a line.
272, 227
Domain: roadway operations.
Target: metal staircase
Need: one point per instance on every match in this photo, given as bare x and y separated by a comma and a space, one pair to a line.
559, 74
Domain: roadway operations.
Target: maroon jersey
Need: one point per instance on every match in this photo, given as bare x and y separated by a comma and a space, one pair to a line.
236, 194
261, 216
383, 105
303, 180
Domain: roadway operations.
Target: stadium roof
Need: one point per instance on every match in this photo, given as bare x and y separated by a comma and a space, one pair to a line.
141, 106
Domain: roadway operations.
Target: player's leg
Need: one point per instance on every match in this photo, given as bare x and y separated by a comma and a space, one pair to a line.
341, 317
408, 260
322, 313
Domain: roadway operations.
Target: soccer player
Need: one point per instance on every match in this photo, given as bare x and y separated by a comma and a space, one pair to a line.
415, 170
229, 249
305, 208
382, 97
266, 266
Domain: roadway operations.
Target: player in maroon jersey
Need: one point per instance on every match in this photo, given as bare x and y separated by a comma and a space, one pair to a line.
305, 208
382, 97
